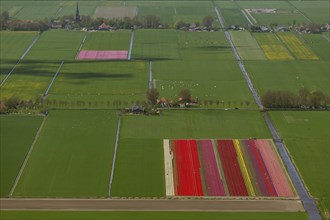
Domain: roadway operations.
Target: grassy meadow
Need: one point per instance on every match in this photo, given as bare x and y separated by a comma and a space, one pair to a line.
13, 150
307, 135
118, 40
72, 156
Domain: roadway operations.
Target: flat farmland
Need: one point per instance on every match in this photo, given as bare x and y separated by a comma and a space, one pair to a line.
115, 12
56, 45
139, 169
272, 46
36, 12
203, 46
155, 44
319, 45
29, 80
306, 135
219, 81
297, 47
13, 149
247, 47
98, 84
234, 16
118, 40
176, 124
139, 163
290, 76
317, 11
12, 47
131, 215
72, 156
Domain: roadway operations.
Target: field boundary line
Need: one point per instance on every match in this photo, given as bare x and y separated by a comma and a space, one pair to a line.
114, 157
20, 59
300, 11
150, 75
325, 37
27, 157
286, 46
130, 46
245, 15
51, 83
82, 43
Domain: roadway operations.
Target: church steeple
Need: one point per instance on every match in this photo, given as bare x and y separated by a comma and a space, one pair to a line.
77, 14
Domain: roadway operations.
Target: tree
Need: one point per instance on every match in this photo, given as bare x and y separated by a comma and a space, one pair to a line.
304, 93
12, 102
208, 21
185, 95
152, 95
5, 15
317, 99
180, 24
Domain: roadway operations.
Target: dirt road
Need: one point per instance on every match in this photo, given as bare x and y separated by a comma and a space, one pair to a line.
152, 205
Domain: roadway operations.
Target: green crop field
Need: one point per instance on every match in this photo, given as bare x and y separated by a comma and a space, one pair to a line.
319, 44
247, 47
220, 82
29, 80
234, 16
289, 76
118, 40
72, 157
98, 84
14, 149
75, 215
317, 11
139, 168
155, 44
307, 135
203, 46
56, 45
208, 124
12, 47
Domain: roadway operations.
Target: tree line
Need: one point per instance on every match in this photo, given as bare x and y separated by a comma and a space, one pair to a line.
287, 99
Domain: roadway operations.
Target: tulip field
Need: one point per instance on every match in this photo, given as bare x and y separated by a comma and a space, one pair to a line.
225, 168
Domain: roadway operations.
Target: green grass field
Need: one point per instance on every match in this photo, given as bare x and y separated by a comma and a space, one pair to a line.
29, 80
56, 45
307, 135
317, 11
98, 84
203, 46
13, 149
247, 47
72, 157
139, 168
318, 43
118, 40
155, 44
291, 76
216, 81
34, 215
234, 16
12, 47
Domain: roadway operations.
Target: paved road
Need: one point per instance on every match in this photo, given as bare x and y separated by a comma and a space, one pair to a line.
152, 205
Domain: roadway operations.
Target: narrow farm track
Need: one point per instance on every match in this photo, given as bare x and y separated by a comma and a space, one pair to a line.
114, 157
82, 43
152, 205
150, 75
20, 59
130, 46
53, 80
308, 201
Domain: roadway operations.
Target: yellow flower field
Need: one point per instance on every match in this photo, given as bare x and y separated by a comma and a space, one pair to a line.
272, 47
297, 47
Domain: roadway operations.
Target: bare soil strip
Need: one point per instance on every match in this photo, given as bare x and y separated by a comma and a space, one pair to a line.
153, 205
168, 168
25, 160
20, 59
